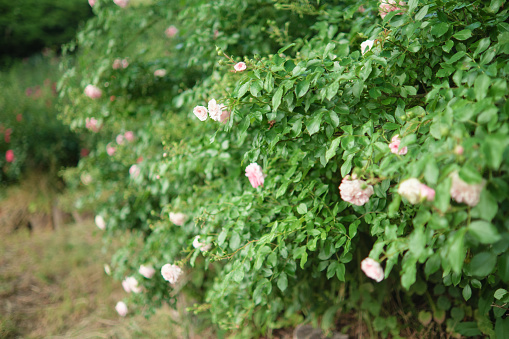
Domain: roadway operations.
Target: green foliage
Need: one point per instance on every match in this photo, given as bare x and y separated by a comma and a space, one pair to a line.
310, 109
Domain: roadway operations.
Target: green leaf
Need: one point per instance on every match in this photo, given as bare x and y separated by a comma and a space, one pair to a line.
432, 265
483, 264
486, 208
443, 196
332, 90
330, 46
302, 88
238, 274
457, 252
281, 50
482, 46
468, 329
456, 57
481, 85
501, 327
331, 152
440, 29
484, 232
340, 271
500, 293
495, 5
503, 267
467, 292
463, 35
313, 124
276, 99
302, 208
243, 89
422, 13
282, 281
493, 147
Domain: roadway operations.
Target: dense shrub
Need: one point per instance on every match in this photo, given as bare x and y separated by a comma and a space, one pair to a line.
31, 136
413, 127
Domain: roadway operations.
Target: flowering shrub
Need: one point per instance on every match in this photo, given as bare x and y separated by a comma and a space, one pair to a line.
348, 124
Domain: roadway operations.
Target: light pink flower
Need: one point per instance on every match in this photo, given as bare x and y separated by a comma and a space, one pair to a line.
86, 179
255, 174
9, 155
147, 271
367, 45
99, 222
372, 269
130, 284
387, 6
361, 9
110, 149
178, 218
92, 124
427, 192
355, 191
171, 31
117, 63
121, 3
129, 136
120, 139
91, 3
224, 116
134, 171
200, 112
160, 73
394, 146
201, 246
125, 63
215, 110
93, 92
171, 273
239, 67
466, 193
458, 150
121, 308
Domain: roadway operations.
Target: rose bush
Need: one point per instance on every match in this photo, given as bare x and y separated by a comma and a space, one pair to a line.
303, 178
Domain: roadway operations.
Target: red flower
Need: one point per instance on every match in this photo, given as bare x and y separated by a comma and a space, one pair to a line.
9, 156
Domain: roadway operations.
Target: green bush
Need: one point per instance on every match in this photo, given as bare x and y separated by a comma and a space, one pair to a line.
315, 113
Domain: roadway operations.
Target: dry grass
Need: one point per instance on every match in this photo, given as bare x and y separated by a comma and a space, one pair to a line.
52, 285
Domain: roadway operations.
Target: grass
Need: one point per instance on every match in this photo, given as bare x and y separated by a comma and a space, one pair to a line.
53, 285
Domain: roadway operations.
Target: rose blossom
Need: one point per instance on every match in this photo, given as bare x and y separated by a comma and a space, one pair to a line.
224, 116
147, 271
171, 273
93, 92
458, 150
361, 9
130, 284
372, 269
9, 155
415, 192
355, 191
92, 124
387, 6
427, 192
255, 174
177, 218
125, 63
134, 171
160, 72
99, 222
200, 112
239, 67
91, 3
121, 3
110, 149
171, 31
121, 308
203, 247
215, 110
129, 136
394, 146
367, 45
462, 192
117, 64
120, 139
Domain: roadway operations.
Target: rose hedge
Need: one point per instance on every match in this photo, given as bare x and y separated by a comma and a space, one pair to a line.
407, 115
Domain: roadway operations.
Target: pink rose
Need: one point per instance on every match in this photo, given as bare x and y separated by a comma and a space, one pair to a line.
200, 112
201, 246
171, 273
134, 171
129, 136
125, 63
110, 149
394, 146
93, 92
92, 124
147, 271
387, 6
466, 193
91, 3
178, 218
171, 31
255, 175
224, 116
458, 150
19, 117
160, 73
239, 67
117, 64
361, 9
427, 192
9, 155
120, 139
355, 191
130, 284
372, 269
7, 136
99, 221
415, 192
215, 110
121, 3
121, 308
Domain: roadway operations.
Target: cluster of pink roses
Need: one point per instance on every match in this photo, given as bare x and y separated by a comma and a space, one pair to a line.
92, 124
117, 63
217, 112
